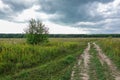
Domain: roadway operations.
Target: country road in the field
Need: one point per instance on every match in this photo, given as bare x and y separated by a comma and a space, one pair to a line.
104, 59
86, 65
80, 69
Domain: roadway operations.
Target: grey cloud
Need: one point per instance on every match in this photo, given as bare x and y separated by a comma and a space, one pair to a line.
73, 11
106, 26
69, 9
16, 7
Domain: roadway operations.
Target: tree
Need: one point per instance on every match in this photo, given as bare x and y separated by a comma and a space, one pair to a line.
36, 32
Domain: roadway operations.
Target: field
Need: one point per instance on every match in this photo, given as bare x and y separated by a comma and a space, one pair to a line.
60, 59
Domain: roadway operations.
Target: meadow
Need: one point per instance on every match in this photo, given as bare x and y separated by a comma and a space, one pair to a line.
48, 61
53, 60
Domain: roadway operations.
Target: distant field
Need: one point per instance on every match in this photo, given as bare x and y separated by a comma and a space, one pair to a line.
56, 59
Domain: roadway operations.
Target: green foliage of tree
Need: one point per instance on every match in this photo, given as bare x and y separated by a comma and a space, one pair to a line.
36, 32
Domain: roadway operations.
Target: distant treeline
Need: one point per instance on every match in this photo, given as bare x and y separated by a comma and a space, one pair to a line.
64, 35
12, 35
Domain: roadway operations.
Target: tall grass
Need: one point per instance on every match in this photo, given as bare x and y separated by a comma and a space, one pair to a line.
111, 47
49, 61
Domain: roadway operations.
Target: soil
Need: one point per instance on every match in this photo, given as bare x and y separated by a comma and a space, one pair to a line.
83, 66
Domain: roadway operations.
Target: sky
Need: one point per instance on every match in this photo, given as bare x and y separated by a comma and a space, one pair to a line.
62, 16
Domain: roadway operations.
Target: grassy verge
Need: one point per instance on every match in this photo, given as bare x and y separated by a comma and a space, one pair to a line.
111, 47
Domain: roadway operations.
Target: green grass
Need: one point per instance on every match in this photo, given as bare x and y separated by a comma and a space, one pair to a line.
53, 60
111, 47
48, 61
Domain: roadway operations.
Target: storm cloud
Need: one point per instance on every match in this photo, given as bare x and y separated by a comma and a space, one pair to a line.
95, 16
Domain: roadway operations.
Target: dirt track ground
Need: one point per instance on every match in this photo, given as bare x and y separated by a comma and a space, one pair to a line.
83, 69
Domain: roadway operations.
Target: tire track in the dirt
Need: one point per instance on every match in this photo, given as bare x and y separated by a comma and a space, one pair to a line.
104, 59
86, 58
80, 70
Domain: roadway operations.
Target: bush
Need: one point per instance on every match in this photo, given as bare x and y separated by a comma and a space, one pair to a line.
36, 32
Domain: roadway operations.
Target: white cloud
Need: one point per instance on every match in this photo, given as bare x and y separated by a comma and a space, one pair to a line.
107, 24
32, 12
104, 17
60, 29
2, 5
105, 10
105, 21
27, 14
96, 15
11, 27
85, 23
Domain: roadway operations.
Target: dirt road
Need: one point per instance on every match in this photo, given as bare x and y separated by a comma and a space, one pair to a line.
80, 70
93, 64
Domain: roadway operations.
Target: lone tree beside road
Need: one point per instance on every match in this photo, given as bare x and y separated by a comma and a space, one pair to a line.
36, 32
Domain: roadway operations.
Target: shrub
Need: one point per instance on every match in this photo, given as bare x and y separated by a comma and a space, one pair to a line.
36, 32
